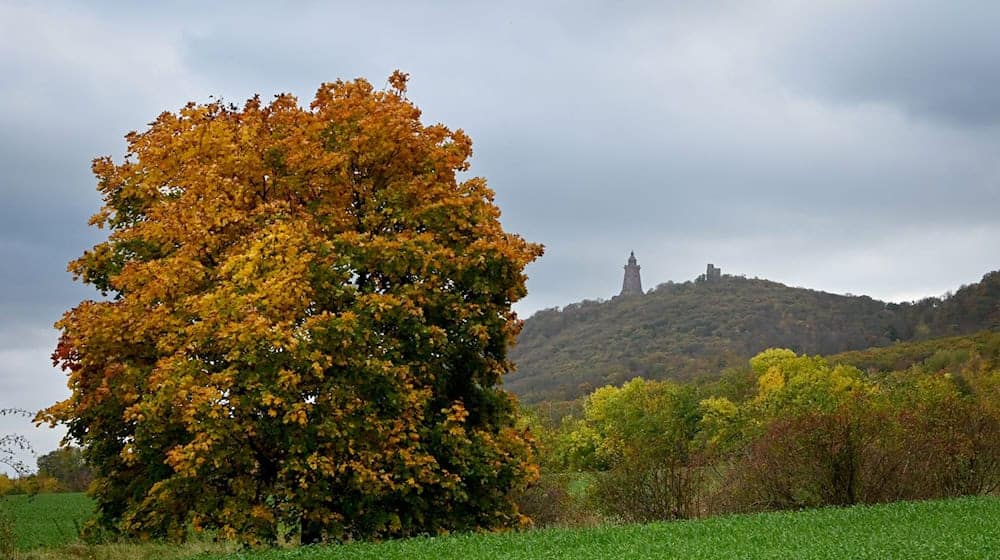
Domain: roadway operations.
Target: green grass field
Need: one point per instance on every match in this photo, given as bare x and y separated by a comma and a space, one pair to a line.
46, 519
963, 528
960, 528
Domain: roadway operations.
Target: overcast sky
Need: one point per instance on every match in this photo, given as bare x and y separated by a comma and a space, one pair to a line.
843, 146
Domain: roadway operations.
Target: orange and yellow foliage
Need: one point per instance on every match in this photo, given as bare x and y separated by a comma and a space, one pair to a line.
309, 318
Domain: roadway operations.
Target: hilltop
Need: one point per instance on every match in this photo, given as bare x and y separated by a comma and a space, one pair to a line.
682, 331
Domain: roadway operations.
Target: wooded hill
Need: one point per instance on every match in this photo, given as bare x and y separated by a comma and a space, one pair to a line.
684, 330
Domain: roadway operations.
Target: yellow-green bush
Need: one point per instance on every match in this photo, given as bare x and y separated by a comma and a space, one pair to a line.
812, 432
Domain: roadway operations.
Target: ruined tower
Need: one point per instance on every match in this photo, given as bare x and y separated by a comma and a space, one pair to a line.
632, 285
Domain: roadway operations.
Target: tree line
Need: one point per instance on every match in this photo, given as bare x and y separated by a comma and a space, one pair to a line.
788, 431
60, 470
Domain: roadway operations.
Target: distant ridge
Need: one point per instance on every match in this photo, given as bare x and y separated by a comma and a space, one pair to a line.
685, 330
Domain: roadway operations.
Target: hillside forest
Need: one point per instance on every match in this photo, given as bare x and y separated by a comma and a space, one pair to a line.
683, 331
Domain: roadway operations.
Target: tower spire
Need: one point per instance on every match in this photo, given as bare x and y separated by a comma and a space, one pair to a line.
632, 284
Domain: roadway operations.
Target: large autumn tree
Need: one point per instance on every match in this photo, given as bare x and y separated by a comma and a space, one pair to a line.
307, 323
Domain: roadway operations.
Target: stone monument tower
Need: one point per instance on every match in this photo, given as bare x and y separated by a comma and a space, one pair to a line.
713, 274
632, 285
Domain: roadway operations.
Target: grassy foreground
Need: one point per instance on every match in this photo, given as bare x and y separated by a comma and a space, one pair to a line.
963, 528
959, 528
46, 520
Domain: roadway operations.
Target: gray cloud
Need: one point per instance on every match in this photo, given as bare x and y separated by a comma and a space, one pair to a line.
938, 60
